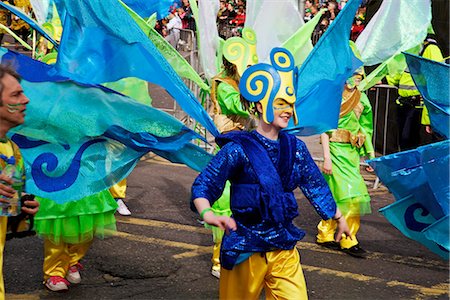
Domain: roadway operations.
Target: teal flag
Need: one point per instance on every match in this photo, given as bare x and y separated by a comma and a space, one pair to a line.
321, 78
102, 43
80, 139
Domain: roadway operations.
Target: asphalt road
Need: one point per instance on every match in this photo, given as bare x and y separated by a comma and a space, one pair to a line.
162, 252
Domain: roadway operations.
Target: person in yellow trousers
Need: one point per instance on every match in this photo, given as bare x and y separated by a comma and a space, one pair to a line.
68, 231
118, 191
264, 167
13, 103
342, 149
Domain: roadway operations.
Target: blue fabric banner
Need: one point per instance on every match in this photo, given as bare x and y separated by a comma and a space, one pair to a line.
322, 76
79, 139
418, 179
102, 43
145, 8
411, 218
432, 80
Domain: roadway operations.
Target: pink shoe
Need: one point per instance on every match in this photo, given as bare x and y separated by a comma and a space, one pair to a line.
73, 276
57, 284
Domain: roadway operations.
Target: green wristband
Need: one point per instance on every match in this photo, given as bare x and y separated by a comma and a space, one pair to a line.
205, 211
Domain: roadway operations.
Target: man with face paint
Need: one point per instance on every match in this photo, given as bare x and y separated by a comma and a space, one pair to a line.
342, 149
13, 103
264, 167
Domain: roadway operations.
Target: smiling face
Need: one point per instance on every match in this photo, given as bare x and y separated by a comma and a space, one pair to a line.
283, 112
13, 102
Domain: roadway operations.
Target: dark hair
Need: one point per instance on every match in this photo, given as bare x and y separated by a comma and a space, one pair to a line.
7, 69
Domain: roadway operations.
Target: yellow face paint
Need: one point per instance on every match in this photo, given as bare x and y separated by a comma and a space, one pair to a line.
280, 106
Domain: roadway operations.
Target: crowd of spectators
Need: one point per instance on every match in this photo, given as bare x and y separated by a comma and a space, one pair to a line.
231, 18
332, 9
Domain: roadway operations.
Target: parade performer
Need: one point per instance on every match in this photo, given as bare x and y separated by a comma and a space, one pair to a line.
342, 149
19, 26
118, 191
264, 167
229, 114
12, 106
68, 230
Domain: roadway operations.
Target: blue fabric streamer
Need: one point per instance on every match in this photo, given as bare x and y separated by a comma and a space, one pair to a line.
419, 180
102, 43
432, 81
322, 76
145, 8
78, 140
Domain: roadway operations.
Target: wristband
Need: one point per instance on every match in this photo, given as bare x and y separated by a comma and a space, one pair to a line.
205, 211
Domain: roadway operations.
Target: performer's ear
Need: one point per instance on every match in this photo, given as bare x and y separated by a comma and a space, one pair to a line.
259, 108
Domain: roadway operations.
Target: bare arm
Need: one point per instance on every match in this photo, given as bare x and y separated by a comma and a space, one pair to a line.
327, 166
223, 222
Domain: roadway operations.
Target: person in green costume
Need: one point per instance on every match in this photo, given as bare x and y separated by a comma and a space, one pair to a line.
342, 149
68, 231
229, 114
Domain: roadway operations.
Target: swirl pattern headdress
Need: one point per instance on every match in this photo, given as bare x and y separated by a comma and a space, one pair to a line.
264, 83
241, 51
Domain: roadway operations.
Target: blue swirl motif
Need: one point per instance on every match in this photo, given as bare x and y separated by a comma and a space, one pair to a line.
52, 184
411, 222
260, 74
24, 143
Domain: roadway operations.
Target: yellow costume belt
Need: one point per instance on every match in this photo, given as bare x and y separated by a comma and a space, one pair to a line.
345, 136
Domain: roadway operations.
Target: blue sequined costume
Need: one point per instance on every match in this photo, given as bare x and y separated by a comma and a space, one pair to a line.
263, 205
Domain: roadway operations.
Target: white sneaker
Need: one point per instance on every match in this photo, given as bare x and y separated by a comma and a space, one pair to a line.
123, 209
57, 284
73, 276
215, 273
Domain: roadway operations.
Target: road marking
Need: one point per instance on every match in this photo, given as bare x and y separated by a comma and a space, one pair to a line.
34, 296
196, 250
437, 290
407, 260
150, 240
162, 224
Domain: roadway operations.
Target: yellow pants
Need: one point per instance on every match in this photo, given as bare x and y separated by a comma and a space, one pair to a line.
119, 189
3, 225
58, 258
216, 257
278, 272
327, 229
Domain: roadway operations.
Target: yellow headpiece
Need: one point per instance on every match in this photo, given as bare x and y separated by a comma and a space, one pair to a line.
265, 83
241, 51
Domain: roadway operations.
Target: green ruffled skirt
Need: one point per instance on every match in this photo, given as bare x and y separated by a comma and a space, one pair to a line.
76, 221
346, 183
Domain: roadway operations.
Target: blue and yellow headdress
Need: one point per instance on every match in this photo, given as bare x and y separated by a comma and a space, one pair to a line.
241, 51
265, 83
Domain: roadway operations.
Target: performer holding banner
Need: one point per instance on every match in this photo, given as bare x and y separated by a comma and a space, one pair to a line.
264, 167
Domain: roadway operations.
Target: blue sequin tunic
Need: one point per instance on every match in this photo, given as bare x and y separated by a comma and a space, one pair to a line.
255, 234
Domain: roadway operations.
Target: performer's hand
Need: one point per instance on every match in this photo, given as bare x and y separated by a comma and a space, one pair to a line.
428, 129
5, 187
327, 166
223, 222
30, 207
342, 227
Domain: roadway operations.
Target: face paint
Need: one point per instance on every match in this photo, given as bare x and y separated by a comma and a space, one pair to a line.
12, 108
280, 106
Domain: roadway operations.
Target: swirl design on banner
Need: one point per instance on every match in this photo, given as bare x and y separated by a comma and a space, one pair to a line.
411, 222
25, 143
52, 184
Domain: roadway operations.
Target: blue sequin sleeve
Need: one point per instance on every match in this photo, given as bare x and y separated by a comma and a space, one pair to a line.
312, 183
210, 182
